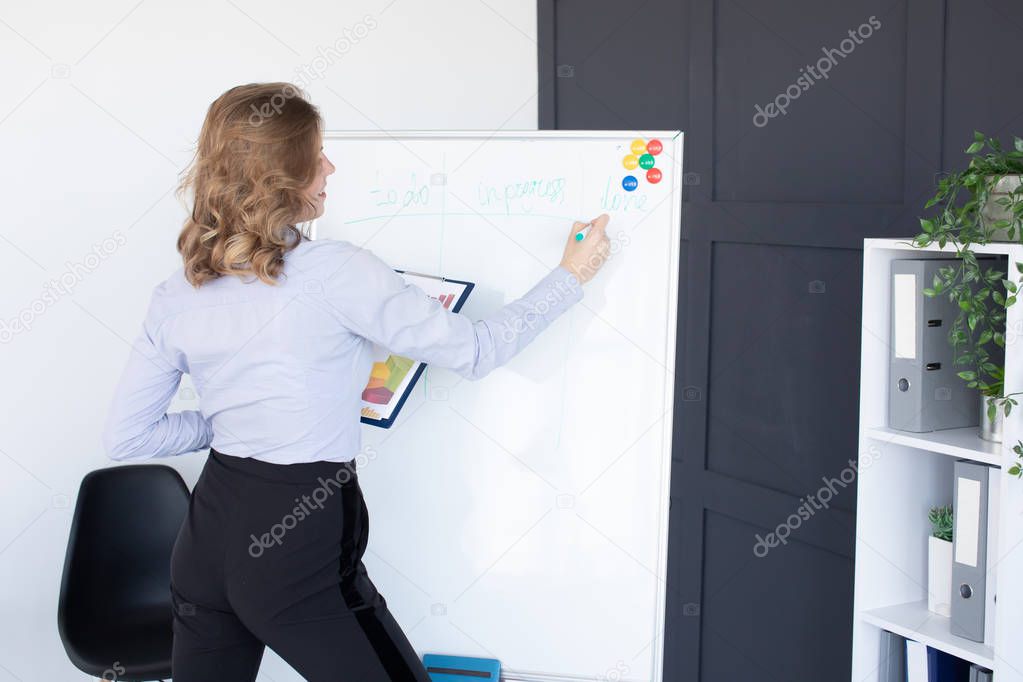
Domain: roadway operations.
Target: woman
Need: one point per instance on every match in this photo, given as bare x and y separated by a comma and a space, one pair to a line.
275, 331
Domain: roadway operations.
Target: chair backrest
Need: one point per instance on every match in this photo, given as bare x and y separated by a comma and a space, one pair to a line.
118, 555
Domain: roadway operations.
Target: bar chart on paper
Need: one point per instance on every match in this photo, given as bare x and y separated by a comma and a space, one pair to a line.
524, 516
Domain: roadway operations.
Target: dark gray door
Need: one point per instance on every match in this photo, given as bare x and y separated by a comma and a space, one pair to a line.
777, 202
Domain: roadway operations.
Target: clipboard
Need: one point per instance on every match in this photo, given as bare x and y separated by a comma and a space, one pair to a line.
393, 377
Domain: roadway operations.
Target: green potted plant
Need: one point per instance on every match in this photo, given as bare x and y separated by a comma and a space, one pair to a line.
977, 205
939, 561
993, 192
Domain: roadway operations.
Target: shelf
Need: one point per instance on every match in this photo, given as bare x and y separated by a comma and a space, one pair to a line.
905, 244
914, 621
961, 443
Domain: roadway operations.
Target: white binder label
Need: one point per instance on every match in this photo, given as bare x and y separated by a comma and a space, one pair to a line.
967, 521
904, 299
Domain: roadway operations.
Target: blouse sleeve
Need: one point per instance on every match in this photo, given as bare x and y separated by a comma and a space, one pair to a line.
138, 425
375, 302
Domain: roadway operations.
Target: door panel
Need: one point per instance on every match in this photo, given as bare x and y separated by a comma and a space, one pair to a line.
775, 212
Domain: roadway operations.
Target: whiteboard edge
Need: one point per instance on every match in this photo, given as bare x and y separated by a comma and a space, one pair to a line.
674, 135
669, 398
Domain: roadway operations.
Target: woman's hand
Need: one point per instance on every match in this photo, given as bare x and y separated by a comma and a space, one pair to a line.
584, 258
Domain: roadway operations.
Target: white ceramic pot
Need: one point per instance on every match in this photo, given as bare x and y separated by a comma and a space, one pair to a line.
939, 576
992, 211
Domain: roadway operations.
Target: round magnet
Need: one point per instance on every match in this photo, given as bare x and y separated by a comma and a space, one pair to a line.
638, 146
646, 161
654, 147
629, 183
630, 161
653, 176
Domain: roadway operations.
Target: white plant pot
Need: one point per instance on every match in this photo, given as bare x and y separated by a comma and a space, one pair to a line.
939, 576
991, 211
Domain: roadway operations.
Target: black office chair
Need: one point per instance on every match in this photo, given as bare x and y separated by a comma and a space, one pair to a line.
115, 605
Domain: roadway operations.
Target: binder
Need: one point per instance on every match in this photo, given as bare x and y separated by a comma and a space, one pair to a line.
944, 667
979, 674
916, 661
971, 483
461, 668
925, 392
994, 481
893, 658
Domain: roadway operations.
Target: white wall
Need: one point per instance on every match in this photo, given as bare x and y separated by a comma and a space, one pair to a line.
100, 107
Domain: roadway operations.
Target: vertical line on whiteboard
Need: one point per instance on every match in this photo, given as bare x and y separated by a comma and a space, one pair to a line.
443, 211
564, 381
440, 247
440, 252
571, 313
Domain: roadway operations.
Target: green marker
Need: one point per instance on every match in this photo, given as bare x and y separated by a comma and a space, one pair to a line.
581, 234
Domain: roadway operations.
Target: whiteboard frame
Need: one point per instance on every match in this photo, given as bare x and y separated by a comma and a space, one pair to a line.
676, 139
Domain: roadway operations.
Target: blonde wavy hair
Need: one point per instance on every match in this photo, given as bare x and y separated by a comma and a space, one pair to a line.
257, 155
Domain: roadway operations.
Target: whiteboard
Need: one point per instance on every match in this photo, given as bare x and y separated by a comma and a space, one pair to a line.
524, 516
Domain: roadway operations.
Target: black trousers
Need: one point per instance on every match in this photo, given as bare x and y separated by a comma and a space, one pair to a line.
271, 555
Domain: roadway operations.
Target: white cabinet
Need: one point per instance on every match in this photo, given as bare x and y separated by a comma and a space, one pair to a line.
902, 475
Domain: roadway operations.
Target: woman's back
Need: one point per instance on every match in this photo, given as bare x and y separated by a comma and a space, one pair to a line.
273, 365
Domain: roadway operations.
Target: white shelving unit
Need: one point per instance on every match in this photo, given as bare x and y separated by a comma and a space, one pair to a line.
902, 475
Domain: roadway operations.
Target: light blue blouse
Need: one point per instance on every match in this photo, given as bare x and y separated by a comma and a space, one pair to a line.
280, 369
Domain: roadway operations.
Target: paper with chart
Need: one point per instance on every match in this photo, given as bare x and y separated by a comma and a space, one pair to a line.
393, 376
523, 516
